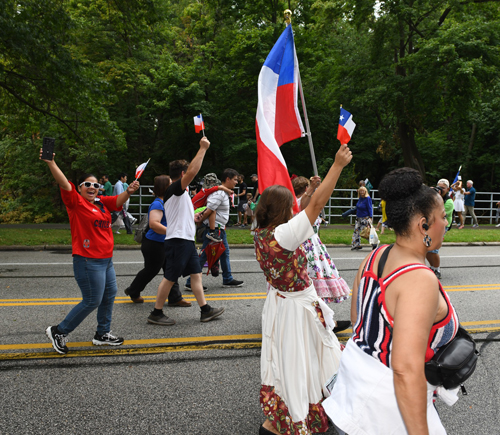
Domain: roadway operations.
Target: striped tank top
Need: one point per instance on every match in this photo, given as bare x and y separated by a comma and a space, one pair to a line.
372, 332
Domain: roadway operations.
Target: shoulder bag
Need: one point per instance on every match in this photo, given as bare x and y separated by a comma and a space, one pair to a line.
454, 362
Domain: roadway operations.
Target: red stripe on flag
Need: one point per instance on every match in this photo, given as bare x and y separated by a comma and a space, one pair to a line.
343, 135
286, 127
271, 171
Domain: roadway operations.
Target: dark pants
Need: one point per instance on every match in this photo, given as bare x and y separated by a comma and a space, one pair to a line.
126, 220
154, 259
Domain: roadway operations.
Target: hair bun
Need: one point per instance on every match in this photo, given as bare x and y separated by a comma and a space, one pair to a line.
400, 184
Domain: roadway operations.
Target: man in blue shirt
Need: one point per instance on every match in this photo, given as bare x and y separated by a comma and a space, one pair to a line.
470, 196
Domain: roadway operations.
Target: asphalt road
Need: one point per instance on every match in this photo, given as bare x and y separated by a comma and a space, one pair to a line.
191, 378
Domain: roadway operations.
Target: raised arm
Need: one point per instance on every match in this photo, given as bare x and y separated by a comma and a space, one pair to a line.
325, 190
57, 173
195, 165
306, 198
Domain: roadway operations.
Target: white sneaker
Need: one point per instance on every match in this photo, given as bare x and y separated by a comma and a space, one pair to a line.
498, 226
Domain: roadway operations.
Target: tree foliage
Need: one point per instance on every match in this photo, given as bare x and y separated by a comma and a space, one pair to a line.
118, 82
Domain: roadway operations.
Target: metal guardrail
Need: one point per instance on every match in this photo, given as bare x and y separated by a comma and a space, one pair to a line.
341, 201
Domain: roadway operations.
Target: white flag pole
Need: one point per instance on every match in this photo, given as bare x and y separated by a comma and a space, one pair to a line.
288, 14
202, 130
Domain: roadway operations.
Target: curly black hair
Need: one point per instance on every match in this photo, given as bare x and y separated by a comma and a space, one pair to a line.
406, 196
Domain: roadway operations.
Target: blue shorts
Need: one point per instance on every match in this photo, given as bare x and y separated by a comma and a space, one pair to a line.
181, 259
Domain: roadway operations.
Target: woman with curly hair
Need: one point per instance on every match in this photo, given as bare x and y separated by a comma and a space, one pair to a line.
401, 317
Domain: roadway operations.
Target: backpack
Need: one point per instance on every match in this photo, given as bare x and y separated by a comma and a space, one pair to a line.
200, 199
142, 229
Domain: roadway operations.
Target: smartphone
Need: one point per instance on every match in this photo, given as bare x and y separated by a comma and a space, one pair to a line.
48, 148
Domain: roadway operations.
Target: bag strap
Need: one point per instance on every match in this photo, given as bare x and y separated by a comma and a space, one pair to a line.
383, 260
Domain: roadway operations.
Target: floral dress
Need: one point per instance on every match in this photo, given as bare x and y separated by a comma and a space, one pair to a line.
299, 353
321, 268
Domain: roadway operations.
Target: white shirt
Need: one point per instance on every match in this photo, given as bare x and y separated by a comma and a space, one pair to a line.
179, 213
219, 203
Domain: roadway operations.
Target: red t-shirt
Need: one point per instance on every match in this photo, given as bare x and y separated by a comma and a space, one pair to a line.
90, 223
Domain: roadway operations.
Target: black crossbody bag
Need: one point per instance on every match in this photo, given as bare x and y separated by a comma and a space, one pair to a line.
454, 362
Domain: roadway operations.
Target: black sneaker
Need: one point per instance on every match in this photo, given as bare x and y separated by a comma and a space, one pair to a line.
214, 237
233, 283
437, 273
212, 314
58, 340
189, 289
107, 339
161, 319
342, 325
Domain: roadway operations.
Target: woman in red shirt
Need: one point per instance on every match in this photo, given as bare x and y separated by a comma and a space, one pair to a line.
92, 244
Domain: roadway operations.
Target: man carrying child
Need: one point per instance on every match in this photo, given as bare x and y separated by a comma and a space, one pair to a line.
218, 204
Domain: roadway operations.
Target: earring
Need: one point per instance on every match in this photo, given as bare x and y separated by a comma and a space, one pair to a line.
427, 240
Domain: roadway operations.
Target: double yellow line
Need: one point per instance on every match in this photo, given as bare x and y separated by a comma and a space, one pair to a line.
179, 344
20, 302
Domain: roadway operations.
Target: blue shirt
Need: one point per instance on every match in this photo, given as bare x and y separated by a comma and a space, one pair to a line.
364, 207
157, 204
469, 199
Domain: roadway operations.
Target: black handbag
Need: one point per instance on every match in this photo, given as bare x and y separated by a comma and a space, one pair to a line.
454, 362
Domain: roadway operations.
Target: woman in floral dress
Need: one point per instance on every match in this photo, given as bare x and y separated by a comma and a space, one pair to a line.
300, 353
321, 268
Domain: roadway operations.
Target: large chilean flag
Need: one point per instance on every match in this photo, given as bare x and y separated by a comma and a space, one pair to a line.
278, 120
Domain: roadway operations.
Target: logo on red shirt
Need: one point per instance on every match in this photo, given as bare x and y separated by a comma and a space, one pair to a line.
86, 243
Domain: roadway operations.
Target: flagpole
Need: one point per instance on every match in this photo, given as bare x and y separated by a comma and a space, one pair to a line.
202, 130
288, 14
146, 165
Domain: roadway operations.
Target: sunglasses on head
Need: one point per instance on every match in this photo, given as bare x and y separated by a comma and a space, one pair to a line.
89, 184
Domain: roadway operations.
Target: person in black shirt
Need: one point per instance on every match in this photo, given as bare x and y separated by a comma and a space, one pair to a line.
242, 196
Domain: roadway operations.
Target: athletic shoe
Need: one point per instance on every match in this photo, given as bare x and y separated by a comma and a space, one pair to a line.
214, 237
437, 273
233, 283
341, 325
243, 225
212, 314
107, 339
497, 226
475, 226
58, 340
189, 289
160, 320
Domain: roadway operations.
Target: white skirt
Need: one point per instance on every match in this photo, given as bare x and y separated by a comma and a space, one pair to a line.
299, 355
459, 205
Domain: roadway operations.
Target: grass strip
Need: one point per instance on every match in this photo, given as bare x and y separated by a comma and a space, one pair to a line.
33, 237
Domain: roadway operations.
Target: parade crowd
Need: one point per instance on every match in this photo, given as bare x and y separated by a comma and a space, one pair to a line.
400, 314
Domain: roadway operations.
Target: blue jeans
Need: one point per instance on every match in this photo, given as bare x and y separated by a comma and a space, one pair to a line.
97, 281
227, 277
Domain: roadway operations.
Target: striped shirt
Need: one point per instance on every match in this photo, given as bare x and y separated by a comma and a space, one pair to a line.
372, 332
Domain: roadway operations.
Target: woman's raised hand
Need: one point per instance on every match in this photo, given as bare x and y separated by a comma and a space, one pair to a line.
343, 156
133, 187
45, 160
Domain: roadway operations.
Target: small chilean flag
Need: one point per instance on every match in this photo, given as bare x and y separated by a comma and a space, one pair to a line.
140, 170
199, 125
346, 127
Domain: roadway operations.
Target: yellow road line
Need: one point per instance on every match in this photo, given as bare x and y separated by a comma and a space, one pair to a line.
145, 342
209, 297
128, 351
178, 341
